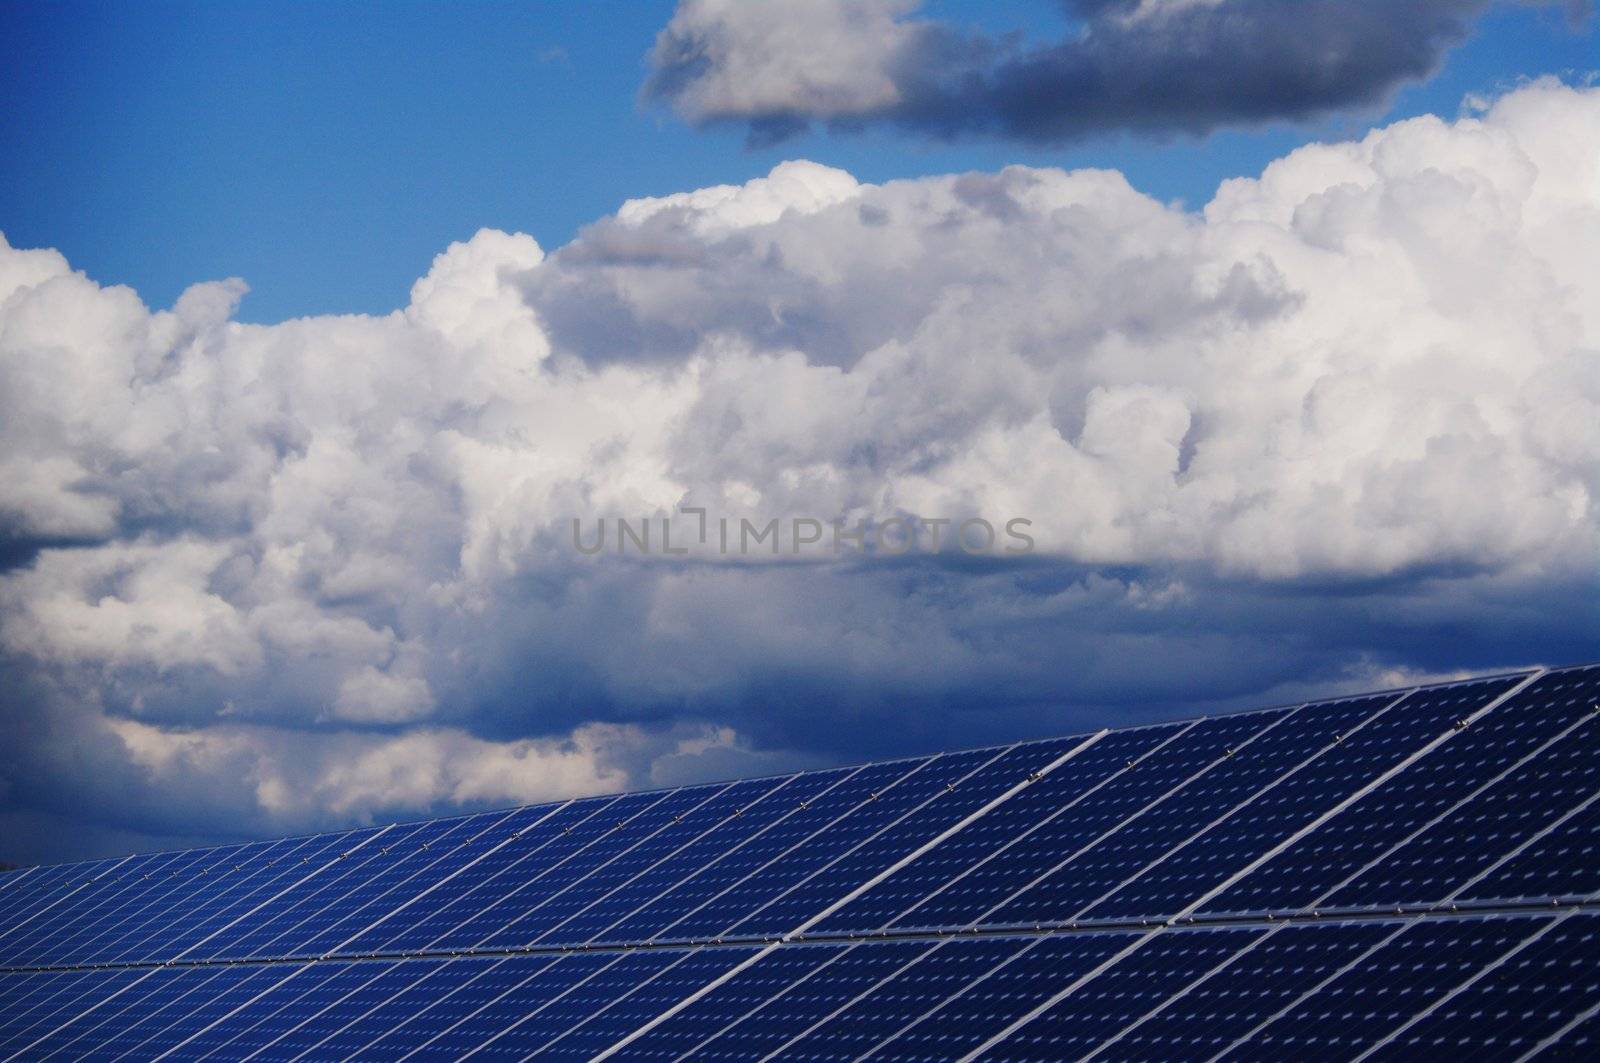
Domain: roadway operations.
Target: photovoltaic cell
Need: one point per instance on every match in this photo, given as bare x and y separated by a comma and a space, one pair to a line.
558, 994
725, 1003
1511, 1007
1385, 988
901, 997
1096, 1010
46, 1001
96, 1030
485, 981
405, 991
1578, 1041
1563, 863
384, 982
1408, 875
582, 1034
1249, 986
1008, 992
159, 1026
808, 1000
229, 893
419, 866
288, 879
243, 1030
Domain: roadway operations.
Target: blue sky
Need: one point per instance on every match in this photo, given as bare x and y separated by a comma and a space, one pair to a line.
325, 153
301, 558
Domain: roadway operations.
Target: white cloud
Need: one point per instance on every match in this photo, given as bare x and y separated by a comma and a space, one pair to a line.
824, 55
325, 567
338, 776
134, 605
798, 187
374, 696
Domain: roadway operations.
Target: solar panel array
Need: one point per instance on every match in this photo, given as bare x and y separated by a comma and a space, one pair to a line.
1413, 874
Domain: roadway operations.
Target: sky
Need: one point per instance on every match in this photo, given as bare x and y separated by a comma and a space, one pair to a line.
324, 327
325, 154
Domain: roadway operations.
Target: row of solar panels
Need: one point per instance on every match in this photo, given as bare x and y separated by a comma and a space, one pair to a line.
1467, 793
1473, 987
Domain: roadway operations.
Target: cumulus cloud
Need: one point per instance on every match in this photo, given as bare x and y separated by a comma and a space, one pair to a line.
1154, 66
1341, 425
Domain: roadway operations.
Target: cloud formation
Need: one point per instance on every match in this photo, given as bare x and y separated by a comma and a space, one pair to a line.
1340, 427
1151, 66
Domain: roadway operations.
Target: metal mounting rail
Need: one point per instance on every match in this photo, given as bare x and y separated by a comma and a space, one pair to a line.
1149, 924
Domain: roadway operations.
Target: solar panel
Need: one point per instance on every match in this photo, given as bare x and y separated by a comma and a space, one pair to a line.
1412, 874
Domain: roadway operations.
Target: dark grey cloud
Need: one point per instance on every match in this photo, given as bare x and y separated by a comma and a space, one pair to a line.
1146, 66
840, 664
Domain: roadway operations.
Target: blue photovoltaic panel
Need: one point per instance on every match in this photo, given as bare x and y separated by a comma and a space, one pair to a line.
1473, 762
878, 832
1507, 1010
785, 856
590, 1025
1103, 1005
572, 915
900, 998
566, 887
1249, 986
38, 1002
1053, 795
1578, 1040
1386, 987
681, 1032
1103, 864
1411, 875
1003, 995
933, 818
399, 981
405, 991
419, 866
1361, 760
474, 881
746, 814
